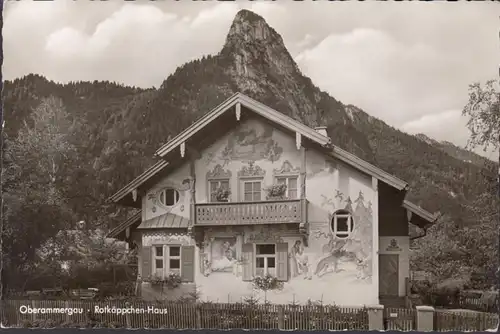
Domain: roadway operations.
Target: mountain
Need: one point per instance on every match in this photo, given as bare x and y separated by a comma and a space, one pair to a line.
458, 152
118, 128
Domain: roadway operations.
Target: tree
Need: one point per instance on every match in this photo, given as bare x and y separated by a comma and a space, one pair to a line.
36, 164
483, 110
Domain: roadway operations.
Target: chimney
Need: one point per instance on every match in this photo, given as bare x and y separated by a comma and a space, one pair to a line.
321, 130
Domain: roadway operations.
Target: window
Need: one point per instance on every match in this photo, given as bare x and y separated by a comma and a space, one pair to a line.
166, 259
216, 184
265, 259
169, 197
252, 190
158, 261
342, 223
291, 183
174, 259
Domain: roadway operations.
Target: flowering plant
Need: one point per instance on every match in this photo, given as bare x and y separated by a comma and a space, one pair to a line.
222, 194
267, 282
171, 281
276, 191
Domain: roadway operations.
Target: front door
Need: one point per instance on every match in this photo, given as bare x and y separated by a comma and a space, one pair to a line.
388, 274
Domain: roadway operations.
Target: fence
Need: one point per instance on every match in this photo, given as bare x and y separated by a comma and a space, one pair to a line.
399, 319
426, 318
182, 315
445, 320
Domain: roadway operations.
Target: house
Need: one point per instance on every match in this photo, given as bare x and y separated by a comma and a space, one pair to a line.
339, 233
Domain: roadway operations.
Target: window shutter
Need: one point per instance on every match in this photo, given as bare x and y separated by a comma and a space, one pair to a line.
187, 263
282, 261
248, 261
146, 257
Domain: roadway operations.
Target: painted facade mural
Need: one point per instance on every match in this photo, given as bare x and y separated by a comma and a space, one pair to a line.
174, 188
332, 263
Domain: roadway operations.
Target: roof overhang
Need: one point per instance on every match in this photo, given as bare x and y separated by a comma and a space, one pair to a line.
419, 216
128, 223
255, 106
368, 168
138, 181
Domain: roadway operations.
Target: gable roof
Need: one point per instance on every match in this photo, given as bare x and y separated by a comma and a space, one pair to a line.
257, 107
272, 115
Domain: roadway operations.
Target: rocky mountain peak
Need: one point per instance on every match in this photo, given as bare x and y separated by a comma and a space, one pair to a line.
248, 27
256, 51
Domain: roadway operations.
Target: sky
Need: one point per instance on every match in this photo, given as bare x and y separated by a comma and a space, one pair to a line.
409, 64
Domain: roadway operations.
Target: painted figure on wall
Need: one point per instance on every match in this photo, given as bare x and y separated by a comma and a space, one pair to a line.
336, 251
349, 238
223, 254
251, 144
299, 261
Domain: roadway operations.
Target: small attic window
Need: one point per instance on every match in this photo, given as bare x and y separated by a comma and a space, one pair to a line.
169, 197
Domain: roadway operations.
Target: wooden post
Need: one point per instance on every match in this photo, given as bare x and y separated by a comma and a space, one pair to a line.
198, 316
281, 317
68, 318
192, 186
127, 316
303, 175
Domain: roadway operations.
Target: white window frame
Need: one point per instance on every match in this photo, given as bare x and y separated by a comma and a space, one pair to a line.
287, 180
251, 180
176, 192
166, 260
266, 257
218, 181
334, 226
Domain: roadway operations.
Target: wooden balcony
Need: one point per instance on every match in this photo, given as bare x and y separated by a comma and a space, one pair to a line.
250, 213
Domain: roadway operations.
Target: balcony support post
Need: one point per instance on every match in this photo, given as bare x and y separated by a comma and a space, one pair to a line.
192, 191
303, 227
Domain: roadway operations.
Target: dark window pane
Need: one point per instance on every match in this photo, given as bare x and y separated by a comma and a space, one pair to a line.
342, 224
292, 183
281, 180
259, 262
248, 197
171, 197
265, 249
159, 264
175, 251
175, 264
271, 262
224, 184
292, 194
159, 251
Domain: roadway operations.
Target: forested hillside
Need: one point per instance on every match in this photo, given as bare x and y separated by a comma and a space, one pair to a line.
83, 141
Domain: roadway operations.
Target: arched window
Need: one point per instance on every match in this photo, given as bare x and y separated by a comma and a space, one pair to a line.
342, 223
169, 197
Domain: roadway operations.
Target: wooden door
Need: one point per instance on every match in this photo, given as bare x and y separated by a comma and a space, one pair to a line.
388, 274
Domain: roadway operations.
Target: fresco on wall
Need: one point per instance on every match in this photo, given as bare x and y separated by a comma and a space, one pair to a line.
317, 164
223, 254
165, 237
331, 254
299, 261
252, 142
154, 195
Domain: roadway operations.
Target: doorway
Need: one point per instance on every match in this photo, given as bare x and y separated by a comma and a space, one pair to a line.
388, 274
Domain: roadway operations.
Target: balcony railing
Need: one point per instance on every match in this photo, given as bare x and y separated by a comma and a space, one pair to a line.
242, 213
